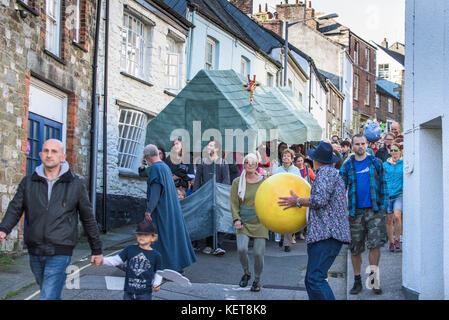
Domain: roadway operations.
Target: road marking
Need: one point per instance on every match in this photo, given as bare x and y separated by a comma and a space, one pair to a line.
72, 274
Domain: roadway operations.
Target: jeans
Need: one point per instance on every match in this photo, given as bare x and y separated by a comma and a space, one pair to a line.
50, 274
132, 296
321, 256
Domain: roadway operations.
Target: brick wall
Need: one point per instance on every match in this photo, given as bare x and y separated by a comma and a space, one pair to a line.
365, 74
22, 59
246, 6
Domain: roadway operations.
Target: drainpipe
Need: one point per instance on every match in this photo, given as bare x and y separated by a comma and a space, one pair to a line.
310, 88
189, 60
94, 118
105, 121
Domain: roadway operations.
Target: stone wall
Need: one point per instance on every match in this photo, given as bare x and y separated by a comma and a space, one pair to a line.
23, 57
147, 94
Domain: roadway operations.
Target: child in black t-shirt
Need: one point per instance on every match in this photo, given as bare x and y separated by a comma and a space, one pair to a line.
142, 262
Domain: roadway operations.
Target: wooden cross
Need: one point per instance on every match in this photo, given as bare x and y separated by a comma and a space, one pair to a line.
251, 86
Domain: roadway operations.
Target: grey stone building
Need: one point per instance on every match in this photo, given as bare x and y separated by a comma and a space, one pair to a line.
46, 51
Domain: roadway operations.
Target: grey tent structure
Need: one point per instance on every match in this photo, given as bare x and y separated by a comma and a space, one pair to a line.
216, 103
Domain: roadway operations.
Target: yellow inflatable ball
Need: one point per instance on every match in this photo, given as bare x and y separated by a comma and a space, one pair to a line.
271, 214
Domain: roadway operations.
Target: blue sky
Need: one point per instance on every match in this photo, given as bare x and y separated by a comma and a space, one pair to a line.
370, 19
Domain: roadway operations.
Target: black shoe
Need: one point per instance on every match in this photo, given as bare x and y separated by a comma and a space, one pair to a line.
281, 243
244, 281
377, 291
256, 286
287, 249
356, 288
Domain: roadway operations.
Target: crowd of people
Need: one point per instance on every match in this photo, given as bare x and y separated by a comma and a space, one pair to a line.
356, 199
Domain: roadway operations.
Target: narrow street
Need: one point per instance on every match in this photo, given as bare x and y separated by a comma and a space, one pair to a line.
212, 278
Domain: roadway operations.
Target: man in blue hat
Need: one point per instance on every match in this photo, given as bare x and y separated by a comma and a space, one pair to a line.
327, 224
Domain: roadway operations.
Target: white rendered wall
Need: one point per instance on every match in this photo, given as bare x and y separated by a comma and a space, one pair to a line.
426, 125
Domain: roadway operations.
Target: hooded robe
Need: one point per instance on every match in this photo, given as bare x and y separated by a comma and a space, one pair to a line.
173, 242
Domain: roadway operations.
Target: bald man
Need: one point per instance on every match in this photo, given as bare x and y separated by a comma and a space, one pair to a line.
396, 130
53, 199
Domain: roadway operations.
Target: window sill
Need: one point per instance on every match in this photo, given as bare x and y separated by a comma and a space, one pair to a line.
60, 60
128, 173
170, 93
135, 78
79, 46
28, 8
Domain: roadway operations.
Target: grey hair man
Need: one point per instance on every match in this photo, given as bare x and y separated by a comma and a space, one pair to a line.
164, 210
151, 151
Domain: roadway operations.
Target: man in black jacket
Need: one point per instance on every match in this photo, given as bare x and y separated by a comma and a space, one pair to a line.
385, 152
52, 198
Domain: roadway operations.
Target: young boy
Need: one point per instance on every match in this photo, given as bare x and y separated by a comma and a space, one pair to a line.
142, 262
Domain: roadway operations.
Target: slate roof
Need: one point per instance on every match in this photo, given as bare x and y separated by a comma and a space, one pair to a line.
231, 19
395, 55
388, 87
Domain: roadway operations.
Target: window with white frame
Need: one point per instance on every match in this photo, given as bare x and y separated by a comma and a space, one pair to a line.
210, 54
390, 105
356, 53
377, 100
172, 64
367, 91
132, 125
356, 87
244, 66
53, 26
76, 20
367, 58
269, 79
384, 70
133, 46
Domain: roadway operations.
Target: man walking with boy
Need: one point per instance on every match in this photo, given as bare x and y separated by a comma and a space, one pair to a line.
52, 199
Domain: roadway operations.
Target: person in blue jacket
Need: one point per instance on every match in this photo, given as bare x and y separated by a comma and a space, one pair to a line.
394, 179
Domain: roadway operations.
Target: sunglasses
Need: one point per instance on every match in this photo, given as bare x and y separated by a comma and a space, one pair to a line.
395, 150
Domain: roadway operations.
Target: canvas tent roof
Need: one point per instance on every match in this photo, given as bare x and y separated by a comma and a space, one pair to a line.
215, 103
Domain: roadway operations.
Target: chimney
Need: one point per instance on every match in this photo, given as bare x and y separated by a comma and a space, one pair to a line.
246, 6
260, 8
384, 43
266, 7
310, 4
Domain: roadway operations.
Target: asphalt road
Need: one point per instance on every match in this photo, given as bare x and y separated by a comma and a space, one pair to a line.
212, 277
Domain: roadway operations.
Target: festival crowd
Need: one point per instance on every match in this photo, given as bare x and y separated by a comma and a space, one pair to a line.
356, 199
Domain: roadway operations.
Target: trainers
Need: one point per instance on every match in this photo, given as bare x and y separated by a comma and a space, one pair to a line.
256, 286
356, 288
391, 248
397, 245
287, 249
207, 250
219, 252
244, 281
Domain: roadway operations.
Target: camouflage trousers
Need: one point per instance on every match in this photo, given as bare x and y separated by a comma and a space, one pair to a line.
367, 226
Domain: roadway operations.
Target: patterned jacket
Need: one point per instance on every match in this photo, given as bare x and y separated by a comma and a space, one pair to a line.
328, 208
377, 182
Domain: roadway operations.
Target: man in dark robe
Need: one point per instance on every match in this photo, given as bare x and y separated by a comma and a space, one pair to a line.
164, 210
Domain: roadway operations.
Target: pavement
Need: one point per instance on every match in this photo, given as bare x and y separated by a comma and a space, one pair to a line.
212, 278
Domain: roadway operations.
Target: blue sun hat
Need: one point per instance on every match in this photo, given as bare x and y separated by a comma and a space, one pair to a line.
323, 153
